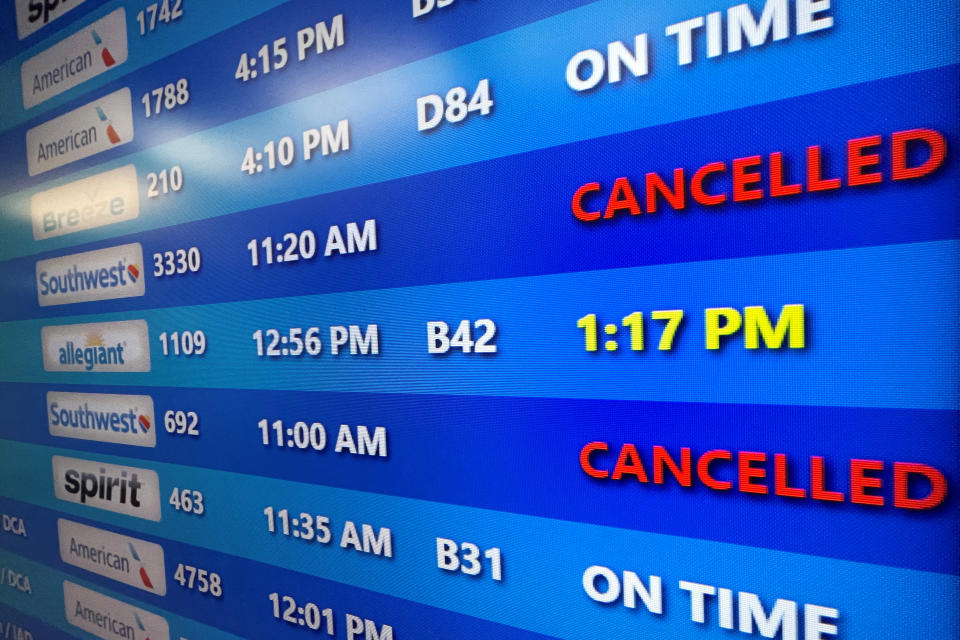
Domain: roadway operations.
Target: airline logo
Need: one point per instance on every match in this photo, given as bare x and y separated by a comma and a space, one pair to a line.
76, 59
127, 490
105, 274
98, 126
132, 561
33, 15
101, 346
92, 202
103, 417
109, 618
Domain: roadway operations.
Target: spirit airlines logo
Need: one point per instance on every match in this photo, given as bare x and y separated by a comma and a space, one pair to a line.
132, 561
103, 346
127, 490
92, 202
76, 59
110, 619
33, 15
105, 274
88, 130
119, 419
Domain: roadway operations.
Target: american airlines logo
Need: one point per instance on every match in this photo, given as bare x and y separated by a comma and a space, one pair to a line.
104, 274
88, 130
127, 490
132, 561
101, 346
109, 618
75, 59
120, 419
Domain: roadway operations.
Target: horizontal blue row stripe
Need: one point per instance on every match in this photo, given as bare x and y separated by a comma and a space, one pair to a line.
882, 334
477, 222
544, 559
387, 145
143, 51
46, 602
37, 626
245, 608
11, 45
493, 447
207, 51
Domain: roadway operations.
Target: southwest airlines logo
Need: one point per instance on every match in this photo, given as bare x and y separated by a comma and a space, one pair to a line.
119, 419
132, 561
127, 490
88, 130
105, 274
110, 619
102, 346
92, 202
76, 59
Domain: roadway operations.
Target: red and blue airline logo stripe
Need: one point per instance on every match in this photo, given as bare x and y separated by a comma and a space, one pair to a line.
144, 577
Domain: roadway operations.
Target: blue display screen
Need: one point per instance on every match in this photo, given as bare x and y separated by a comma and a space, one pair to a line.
479, 320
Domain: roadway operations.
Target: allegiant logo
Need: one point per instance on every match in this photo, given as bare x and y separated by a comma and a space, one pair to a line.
94, 275
93, 352
104, 346
120, 419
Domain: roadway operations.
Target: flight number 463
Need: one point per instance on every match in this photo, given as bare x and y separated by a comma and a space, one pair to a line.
188, 501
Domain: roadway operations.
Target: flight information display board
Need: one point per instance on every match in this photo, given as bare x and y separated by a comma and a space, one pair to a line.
479, 319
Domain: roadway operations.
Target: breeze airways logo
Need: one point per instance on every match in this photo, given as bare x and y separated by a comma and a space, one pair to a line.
102, 346
128, 490
104, 274
105, 198
120, 419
